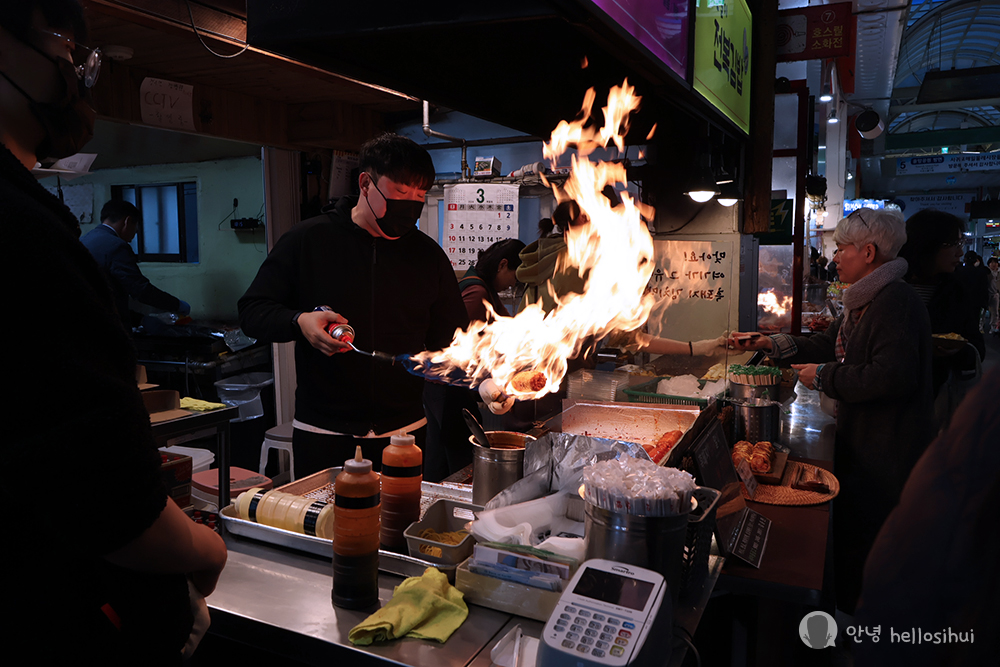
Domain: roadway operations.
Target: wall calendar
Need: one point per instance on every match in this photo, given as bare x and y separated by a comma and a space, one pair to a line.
476, 216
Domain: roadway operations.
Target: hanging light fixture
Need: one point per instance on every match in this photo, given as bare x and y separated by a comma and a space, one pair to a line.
703, 186
832, 118
729, 195
869, 124
826, 90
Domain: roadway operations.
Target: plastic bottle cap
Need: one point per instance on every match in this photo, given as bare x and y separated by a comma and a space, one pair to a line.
404, 439
357, 465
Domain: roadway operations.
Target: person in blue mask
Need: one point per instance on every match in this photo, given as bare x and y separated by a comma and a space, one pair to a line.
365, 259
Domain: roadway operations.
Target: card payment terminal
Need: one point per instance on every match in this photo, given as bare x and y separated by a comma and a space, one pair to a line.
611, 614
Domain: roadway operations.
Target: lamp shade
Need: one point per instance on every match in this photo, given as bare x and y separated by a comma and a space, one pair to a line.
703, 187
869, 124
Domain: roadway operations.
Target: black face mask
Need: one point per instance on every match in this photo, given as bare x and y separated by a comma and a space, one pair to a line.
400, 215
68, 123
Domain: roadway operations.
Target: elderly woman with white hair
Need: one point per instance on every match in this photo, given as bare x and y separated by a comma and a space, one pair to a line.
875, 361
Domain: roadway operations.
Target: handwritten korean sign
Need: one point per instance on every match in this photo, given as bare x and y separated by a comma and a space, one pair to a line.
167, 104
694, 287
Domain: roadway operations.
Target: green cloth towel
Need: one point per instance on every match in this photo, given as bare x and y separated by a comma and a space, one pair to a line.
425, 607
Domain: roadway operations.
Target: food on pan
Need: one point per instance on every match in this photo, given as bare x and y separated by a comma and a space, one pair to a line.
949, 336
663, 445
528, 381
758, 456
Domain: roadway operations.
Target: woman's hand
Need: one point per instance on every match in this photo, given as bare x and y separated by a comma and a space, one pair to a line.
807, 374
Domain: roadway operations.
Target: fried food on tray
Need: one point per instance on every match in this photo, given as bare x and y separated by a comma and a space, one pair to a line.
663, 445
758, 456
760, 462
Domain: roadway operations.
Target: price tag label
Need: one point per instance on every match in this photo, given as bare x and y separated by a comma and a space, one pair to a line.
752, 538
746, 476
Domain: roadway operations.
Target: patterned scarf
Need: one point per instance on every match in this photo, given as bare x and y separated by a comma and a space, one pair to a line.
860, 294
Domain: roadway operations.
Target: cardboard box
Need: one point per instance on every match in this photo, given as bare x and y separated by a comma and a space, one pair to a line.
141, 379
163, 405
486, 166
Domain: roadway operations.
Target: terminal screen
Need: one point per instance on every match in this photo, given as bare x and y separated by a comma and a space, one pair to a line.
614, 589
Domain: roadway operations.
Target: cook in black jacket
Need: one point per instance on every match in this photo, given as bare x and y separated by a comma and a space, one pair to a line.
366, 260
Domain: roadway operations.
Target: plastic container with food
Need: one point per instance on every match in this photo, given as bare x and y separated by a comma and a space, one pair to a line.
440, 536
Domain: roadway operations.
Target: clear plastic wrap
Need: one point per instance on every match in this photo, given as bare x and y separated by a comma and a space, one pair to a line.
638, 487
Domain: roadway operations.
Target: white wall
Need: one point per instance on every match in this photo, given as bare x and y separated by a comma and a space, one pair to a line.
228, 260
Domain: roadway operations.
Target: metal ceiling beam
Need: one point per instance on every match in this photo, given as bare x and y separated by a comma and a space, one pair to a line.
930, 139
897, 109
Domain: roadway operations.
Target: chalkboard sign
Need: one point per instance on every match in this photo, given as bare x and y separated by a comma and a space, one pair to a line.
739, 530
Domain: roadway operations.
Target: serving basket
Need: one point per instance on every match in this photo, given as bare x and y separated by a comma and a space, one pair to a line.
646, 393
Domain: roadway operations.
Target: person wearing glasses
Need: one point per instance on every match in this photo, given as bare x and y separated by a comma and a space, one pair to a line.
92, 580
933, 250
875, 361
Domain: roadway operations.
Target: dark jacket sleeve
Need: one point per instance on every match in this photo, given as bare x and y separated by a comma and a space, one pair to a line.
268, 306
816, 349
889, 369
125, 270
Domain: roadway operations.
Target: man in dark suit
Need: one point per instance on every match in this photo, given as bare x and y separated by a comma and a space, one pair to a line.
109, 244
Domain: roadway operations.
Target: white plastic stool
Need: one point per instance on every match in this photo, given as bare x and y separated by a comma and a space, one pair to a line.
280, 438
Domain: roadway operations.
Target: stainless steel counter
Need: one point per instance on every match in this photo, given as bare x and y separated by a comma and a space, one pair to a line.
806, 429
279, 600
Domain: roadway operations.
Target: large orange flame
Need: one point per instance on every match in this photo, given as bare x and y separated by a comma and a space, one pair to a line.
614, 251
768, 300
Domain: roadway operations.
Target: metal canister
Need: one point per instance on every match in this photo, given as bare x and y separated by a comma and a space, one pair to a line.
342, 332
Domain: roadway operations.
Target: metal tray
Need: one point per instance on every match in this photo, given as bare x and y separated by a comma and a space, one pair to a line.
320, 485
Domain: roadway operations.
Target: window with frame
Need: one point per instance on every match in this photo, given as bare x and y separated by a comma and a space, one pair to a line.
169, 229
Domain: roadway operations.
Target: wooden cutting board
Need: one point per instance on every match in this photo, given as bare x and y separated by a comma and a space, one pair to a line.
778, 461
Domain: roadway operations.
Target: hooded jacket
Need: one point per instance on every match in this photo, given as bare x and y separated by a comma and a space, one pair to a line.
539, 263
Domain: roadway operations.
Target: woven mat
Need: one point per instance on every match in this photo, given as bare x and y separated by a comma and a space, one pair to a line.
784, 494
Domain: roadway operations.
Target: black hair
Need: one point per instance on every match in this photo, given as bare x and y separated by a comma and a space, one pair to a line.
992, 259
401, 159
971, 257
17, 18
565, 214
926, 232
117, 210
545, 227
488, 263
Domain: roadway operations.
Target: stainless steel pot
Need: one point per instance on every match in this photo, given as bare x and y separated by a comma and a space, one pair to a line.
494, 469
755, 423
656, 543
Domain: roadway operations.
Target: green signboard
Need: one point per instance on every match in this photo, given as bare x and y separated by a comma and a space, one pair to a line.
722, 57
